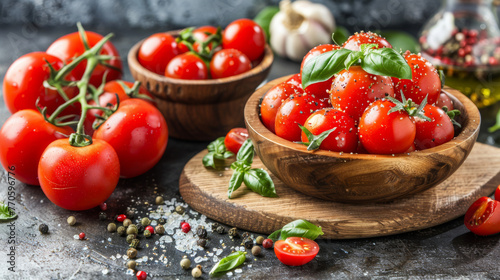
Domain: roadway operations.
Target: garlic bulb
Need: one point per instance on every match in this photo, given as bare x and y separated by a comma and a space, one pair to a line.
300, 26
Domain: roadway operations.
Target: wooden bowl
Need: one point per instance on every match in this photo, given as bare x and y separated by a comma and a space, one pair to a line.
358, 178
201, 109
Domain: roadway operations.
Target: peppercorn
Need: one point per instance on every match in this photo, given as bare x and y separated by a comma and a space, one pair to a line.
127, 222
159, 200
82, 235
221, 230
159, 229
43, 228
233, 232
201, 232
196, 272
103, 206
71, 220
120, 218
147, 234
135, 243
132, 230
248, 243
151, 229
111, 227
103, 216
256, 250
259, 240
141, 275
245, 235
215, 226
162, 221
131, 264
130, 237
121, 230
145, 221
202, 243
185, 263
132, 253
130, 213
180, 210
140, 228
267, 243
185, 227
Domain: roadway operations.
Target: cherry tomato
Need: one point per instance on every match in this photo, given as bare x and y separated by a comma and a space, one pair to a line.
296, 251
235, 138
156, 52
78, 178
482, 217
201, 34
138, 133
497, 194
24, 137
295, 80
23, 85
355, 41
383, 133
294, 111
444, 101
354, 89
425, 81
273, 99
187, 66
343, 139
229, 62
435, 132
321, 89
246, 36
70, 46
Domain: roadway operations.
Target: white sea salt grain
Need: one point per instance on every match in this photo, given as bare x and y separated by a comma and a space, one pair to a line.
238, 270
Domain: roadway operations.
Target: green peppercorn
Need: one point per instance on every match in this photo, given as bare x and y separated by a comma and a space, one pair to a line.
221, 230
196, 272
132, 230
201, 232
145, 221
185, 263
162, 221
233, 232
245, 235
256, 250
214, 226
130, 237
132, 253
43, 228
248, 243
121, 230
259, 240
111, 227
130, 213
147, 234
202, 242
180, 210
159, 200
71, 220
103, 216
159, 229
131, 264
127, 222
135, 243
140, 228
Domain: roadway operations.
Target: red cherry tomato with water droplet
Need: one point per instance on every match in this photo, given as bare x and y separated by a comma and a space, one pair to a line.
235, 138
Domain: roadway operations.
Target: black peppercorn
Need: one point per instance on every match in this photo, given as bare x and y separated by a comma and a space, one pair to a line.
43, 228
215, 226
202, 242
248, 243
140, 228
130, 214
233, 232
221, 230
103, 216
201, 232
162, 221
245, 235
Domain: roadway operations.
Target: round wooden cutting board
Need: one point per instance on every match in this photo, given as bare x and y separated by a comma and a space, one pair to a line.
205, 190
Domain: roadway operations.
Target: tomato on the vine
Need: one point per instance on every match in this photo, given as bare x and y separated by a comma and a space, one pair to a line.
23, 85
201, 34
246, 36
229, 62
296, 251
138, 133
354, 89
321, 89
24, 137
359, 38
425, 81
187, 66
235, 138
156, 52
435, 132
70, 46
483, 217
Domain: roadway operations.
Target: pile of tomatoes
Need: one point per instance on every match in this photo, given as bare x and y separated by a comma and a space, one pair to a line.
50, 140
205, 52
355, 105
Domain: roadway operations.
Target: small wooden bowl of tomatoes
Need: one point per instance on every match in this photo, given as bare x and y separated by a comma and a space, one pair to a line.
200, 107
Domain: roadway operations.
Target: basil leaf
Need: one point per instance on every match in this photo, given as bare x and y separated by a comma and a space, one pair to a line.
301, 228
235, 182
6, 213
245, 153
259, 181
386, 62
228, 154
240, 166
216, 151
264, 17
315, 140
232, 261
217, 146
322, 67
208, 160
275, 235
352, 58
442, 78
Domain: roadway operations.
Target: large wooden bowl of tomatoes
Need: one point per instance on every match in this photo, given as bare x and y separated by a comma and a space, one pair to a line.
361, 123
202, 77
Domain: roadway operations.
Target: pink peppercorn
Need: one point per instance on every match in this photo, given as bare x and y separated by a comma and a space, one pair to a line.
185, 227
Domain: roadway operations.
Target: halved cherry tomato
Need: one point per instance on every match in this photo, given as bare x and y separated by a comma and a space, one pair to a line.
229, 62
497, 194
187, 66
246, 36
355, 41
296, 251
23, 137
156, 52
321, 89
235, 138
71, 46
483, 217
435, 132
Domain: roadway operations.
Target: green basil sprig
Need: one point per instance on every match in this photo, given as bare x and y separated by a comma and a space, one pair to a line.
232, 261
216, 150
6, 213
256, 179
314, 141
384, 61
297, 228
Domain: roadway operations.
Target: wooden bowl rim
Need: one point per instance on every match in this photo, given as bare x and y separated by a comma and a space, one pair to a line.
264, 64
469, 128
